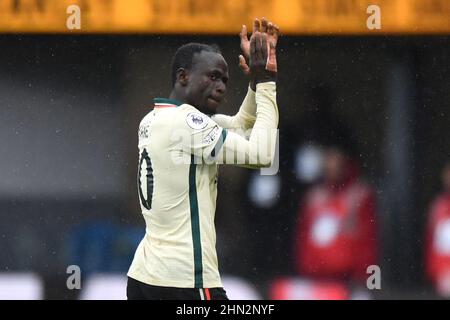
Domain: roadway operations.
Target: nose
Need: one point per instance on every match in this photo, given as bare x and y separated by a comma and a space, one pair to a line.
221, 87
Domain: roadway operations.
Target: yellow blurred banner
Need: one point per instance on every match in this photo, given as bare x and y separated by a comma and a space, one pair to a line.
225, 16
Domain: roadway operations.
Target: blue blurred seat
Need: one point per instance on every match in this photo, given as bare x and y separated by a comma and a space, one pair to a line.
99, 246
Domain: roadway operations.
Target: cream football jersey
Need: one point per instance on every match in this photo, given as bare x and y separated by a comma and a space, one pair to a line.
180, 149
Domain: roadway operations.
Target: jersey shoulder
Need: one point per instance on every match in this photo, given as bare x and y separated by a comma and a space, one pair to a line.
191, 119
144, 125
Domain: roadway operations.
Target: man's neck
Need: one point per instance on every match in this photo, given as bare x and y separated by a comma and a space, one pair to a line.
178, 96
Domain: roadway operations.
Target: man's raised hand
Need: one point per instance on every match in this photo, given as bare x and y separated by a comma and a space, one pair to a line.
272, 32
259, 52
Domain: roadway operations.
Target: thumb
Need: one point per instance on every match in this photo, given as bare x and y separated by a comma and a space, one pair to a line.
243, 64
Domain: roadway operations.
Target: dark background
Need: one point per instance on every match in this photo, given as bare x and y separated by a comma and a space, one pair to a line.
70, 108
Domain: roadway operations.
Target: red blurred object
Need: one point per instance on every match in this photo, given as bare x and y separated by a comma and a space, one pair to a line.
437, 251
299, 289
336, 234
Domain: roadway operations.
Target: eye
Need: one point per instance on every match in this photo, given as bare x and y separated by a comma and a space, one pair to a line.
214, 77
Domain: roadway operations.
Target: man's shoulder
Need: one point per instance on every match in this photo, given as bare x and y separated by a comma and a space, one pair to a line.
148, 116
186, 109
184, 116
191, 118
167, 115
144, 125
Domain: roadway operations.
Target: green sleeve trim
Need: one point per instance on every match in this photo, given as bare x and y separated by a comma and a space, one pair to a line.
195, 225
219, 143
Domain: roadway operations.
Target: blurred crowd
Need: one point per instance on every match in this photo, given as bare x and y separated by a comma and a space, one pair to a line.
334, 239
337, 235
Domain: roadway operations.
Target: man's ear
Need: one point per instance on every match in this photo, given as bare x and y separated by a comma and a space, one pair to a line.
182, 76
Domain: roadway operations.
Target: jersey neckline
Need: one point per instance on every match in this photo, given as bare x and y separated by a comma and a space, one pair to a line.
166, 103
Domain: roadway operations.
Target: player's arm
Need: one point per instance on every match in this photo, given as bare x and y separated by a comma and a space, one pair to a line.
259, 150
204, 141
246, 116
244, 119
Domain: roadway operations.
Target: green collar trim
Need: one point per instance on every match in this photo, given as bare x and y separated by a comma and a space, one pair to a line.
167, 101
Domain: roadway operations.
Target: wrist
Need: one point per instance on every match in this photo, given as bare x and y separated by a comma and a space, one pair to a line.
266, 85
272, 77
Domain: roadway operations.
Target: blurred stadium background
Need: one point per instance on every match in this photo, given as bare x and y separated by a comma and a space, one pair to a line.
71, 101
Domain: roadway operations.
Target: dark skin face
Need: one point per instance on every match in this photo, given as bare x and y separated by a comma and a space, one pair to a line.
204, 84
335, 168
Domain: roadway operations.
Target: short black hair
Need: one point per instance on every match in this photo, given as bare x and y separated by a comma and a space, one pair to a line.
184, 55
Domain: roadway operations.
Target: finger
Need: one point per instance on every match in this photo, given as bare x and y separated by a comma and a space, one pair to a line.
258, 43
242, 61
264, 47
243, 65
264, 25
272, 59
252, 46
270, 29
245, 44
272, 38
272, 47
256, 25
276, 33
243, 33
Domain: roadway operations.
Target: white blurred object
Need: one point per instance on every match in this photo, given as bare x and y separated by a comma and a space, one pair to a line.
104, 287
264, 190
239, 289
308, 163
21, 286
442, 238
304, 289
325, 229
